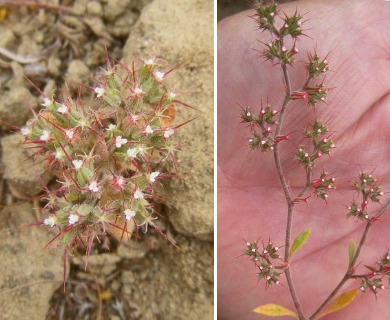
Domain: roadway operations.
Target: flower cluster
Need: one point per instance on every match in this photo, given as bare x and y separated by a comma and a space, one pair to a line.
323, 185
261, 127
321, 144
312, 94
370, 191
277, 51
316, 66
108, 154
373, 280
267, 260
265, 18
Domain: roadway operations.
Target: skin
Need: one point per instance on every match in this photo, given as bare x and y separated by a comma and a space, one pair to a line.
251, 206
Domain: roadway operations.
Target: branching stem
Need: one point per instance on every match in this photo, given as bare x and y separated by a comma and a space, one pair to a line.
287, 192
349, 273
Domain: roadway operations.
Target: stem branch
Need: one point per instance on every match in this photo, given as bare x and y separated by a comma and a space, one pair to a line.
287, 193
349, 273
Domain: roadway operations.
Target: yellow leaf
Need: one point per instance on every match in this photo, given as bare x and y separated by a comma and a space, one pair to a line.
105, 295
3, 14
274, 310
340, 302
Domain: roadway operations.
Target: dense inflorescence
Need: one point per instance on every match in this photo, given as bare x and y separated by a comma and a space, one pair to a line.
107, 153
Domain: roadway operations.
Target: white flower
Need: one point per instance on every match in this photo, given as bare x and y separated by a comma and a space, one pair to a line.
138, 91
25, 131
111, 127
51, 221
132, 152
99, 91
159, 75
129, 214
138, 194
172, 95
62, 109
77, 164
73, 218
45, 135
119, 141
149, 62
148, 129
46, 102
93, 186
168, 133
59, 154
69, 134
153, 176
120, 181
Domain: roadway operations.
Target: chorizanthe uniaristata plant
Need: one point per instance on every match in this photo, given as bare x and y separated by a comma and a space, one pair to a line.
107, 154
267, 136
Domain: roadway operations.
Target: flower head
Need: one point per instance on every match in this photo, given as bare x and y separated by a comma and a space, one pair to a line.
45, 136
46, 102
153, 176
169, 132
119, 182
93, 186
111, 127
150, 62
69, 134
62, 108
138, 91
25, 131
148, 129
132, 152
99, 91
51, 221
159, 76
119, 141
73, 218
172, 95
138, 194
129, 214
77, 164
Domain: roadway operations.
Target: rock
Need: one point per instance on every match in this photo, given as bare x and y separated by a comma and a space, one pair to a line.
185, 34
21, 174
121, 26
7, 39
178, 283
29, 275
15, 105
114, 8
94, 8
78, 73
54, 65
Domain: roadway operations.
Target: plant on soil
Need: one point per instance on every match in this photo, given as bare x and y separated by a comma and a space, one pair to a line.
108, 154
266, 128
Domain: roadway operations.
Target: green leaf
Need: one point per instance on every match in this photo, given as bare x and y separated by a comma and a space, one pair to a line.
299, 241
340, 302
274, 310
351, 251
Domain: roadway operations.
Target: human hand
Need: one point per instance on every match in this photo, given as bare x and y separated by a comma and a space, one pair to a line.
250, 200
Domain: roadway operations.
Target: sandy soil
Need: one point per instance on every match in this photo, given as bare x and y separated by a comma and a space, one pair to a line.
143, 279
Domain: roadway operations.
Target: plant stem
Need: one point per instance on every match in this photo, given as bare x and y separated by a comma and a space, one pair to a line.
308, 182
348, 274
287, 193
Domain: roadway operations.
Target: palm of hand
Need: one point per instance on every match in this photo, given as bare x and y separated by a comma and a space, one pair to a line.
251, 203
